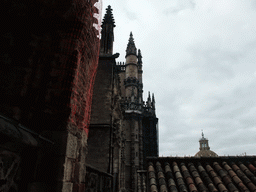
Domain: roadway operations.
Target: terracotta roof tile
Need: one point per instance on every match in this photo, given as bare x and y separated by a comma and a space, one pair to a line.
217, 181
251, 186
181, 185
151, 168
176, 169
169, 175
180, 181
168, 168
198, 181
242, 187
178, 175
153, 188
183, 188
171, 182
232, 174
232, 187
247, 172
251, 167
173, 189
208, 180
236, 179
163, 188
209, 168
201, 187
151, 175
212, 188
195, 174
200, 168
186, 174
160, 175
192, 188
162, 181
222, 188
152, 181
189, 181
201, 174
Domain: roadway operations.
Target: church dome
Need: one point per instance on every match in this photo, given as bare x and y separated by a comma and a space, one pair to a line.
206, 153
205, 149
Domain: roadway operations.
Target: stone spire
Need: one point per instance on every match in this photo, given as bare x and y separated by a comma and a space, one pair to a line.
153, 101
149, 100
139, 57
108, 18
107, 33
131, 49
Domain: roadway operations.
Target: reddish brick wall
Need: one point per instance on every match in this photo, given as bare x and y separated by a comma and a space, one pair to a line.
48, 63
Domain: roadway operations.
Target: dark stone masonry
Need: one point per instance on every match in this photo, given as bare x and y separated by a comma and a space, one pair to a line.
49, 58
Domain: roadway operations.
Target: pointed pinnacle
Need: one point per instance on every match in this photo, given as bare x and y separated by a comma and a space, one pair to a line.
131, 49
139, 53
108, 18
139, 57
153, 97
149, 98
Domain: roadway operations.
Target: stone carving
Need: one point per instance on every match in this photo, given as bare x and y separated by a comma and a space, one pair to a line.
9, 164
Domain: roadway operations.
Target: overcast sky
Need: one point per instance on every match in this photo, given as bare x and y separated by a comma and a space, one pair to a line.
199, 59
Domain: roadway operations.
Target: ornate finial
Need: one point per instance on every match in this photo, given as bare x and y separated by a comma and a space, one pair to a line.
139, 57
202, 133
149, 100
131, 49
108, 18
153, 101
153, 98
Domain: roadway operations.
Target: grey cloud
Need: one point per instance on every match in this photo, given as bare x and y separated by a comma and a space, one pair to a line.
201, 67
182, 5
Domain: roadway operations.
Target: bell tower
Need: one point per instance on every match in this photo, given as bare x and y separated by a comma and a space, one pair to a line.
131, 72
140, 122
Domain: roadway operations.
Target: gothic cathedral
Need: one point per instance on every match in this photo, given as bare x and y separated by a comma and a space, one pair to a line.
121, 121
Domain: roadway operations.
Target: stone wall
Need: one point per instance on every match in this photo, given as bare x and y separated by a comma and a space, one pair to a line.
106, 140
48, 62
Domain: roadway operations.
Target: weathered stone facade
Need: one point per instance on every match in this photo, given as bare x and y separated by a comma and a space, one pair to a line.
140, 122
120, 120
105, 142
48, 61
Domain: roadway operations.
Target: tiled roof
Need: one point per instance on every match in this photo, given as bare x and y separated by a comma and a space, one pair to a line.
201, 174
